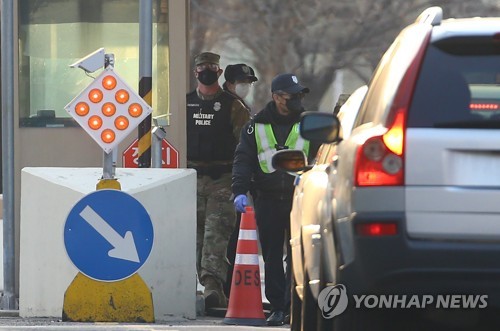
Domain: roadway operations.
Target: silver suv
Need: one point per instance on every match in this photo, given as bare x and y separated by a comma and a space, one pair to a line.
414, 191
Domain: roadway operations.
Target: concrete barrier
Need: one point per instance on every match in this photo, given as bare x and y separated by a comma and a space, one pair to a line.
48, 195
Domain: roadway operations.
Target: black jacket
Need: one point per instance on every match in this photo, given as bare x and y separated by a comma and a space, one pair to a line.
209, 127
275, 185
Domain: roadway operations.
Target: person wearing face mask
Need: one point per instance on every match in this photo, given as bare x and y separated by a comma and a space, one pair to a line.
274, 128
214, 121
239, 80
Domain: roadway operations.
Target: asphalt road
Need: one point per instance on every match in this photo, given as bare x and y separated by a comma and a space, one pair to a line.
202, 323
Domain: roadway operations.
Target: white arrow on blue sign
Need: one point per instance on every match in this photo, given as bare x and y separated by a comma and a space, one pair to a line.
108, 235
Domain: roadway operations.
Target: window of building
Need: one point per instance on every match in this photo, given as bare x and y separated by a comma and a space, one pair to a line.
56, 33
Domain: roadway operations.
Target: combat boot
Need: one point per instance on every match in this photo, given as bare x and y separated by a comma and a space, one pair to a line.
214, 295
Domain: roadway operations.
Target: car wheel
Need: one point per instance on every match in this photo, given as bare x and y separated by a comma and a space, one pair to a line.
296, 307
310, 308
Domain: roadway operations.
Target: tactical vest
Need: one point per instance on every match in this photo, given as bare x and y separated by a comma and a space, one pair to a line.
209, 129
267, 144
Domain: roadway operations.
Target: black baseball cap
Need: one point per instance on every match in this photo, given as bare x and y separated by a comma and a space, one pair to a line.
288, 83
240, 71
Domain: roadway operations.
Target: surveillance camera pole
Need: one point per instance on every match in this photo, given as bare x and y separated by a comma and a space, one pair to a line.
145, 80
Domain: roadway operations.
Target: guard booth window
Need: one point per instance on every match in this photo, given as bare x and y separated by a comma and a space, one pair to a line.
55, 33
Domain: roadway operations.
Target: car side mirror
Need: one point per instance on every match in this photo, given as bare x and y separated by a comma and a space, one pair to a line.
290, 160
320, 127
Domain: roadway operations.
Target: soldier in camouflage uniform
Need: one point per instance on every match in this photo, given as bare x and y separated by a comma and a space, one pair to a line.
214, 121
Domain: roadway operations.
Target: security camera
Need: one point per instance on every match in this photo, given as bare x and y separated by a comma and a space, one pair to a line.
161, 120
91, 62
159, 132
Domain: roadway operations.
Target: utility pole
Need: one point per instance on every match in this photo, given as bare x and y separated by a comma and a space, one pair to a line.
145, 79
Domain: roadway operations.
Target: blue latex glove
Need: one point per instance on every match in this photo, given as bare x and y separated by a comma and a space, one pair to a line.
240, 202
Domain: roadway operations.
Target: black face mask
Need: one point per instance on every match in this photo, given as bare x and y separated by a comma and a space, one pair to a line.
207, 77
294, 104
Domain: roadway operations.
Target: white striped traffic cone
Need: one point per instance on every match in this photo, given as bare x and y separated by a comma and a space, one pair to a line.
245, 301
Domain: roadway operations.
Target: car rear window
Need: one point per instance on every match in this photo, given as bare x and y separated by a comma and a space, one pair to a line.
458, 85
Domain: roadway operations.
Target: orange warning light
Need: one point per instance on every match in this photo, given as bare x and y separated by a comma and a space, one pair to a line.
122, 96
135, 110
108, 136
108, 109
82, 108
109, 82
95, 122
121, 123
95, 95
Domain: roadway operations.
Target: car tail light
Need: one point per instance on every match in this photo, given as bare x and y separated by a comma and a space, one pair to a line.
376, 165
484, 106
377, 229
380, 159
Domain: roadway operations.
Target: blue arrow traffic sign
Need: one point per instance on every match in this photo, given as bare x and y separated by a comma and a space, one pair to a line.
108, 235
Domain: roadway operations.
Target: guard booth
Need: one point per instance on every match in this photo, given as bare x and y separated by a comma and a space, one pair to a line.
49, 35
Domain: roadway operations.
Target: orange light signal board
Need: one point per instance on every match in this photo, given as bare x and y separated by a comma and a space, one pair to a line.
108, 109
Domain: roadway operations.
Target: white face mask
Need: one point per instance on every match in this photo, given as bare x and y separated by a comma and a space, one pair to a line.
242, 89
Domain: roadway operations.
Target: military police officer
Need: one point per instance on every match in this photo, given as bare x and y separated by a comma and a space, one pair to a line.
214, 121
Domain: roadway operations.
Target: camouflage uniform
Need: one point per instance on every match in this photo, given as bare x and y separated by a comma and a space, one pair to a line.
215, 211
216, 217
214, 123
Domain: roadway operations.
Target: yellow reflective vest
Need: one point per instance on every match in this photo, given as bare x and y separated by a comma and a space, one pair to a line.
266, 144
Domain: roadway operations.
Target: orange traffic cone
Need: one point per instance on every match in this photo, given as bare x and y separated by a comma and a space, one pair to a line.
245, 301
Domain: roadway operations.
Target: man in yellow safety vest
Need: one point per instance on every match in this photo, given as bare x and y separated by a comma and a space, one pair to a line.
274, 128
